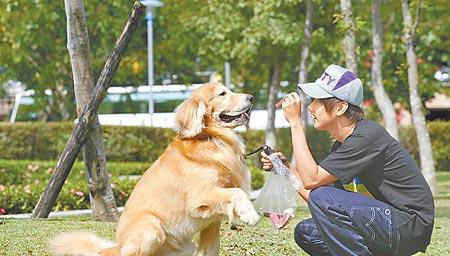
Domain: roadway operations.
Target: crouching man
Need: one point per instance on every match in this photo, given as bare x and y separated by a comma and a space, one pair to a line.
398, 220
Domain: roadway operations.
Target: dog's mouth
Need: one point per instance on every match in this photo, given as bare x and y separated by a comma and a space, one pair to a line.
236, 116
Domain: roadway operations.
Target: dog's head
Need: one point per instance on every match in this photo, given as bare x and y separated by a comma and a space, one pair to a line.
212, 105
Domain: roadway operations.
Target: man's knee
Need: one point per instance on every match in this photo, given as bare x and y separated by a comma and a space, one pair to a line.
303, 232
308, 238
299, 233
319, 196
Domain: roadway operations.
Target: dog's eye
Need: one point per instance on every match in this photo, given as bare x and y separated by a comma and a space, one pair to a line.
223, 93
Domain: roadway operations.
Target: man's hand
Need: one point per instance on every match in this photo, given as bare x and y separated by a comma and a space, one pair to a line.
292, 108
267, 164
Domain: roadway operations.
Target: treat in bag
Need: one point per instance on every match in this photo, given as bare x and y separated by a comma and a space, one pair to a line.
278, 197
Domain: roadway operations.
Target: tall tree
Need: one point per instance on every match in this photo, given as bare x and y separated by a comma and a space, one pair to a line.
304, 54
260, 34
423, 137
381, 97
87, 118
349, 37
101, 195
34, 51
275, 78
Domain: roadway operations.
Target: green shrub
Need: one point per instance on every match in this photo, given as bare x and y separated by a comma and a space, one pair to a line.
28, 140
440, 143
257, 177
23, 198
135, 143
22, 182
44, 141
26, 171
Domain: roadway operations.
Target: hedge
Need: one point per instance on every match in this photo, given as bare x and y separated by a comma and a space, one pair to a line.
440, 142
44, 141
22, 183
130, 151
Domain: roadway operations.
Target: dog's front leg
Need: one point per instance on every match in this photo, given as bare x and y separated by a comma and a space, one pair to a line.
208, 244
232, 202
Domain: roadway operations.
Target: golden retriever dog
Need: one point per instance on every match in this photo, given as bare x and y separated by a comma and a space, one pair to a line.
200, 179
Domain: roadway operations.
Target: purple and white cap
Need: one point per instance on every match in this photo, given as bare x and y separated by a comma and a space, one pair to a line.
337, 82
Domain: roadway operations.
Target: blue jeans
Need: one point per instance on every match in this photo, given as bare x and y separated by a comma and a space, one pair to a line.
347, 223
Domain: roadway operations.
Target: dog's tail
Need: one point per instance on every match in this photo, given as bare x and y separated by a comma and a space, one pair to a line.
81, 243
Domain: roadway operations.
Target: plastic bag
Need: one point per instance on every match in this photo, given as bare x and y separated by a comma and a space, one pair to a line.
278, 198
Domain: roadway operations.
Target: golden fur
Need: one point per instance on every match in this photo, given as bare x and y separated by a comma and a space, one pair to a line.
199, 179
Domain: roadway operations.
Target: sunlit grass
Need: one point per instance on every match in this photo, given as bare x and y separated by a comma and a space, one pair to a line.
30, 237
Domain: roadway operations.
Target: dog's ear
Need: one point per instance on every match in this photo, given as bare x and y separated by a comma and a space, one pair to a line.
189, 117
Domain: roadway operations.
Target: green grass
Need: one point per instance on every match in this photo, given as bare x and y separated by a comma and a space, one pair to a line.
30, 237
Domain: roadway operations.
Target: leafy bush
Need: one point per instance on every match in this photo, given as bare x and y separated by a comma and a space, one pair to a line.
22, 182
135, 143
257, 177
41, 141
44, 141
440, 143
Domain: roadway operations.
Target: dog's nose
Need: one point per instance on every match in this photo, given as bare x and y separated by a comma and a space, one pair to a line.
250, 97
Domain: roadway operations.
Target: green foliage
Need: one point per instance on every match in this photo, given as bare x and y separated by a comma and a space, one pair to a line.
28, 171
44, 141
251, 35
440, 142
33, 140
23, 181
134, 143
30, 237
33, 50
430, 45
195, 36
257, 177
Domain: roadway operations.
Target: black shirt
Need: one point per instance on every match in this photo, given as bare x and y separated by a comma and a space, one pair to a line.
391, 176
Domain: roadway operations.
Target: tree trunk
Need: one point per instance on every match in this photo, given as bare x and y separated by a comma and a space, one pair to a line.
349, 38
423, 138
87, 118
303, 72
381, 97
101, 195
275, 76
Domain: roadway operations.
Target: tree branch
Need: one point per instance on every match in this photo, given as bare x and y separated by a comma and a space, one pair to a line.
416, 21
87, 117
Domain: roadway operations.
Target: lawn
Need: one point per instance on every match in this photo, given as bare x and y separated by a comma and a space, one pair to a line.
29, 237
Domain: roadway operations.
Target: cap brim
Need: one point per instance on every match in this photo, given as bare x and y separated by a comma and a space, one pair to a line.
314, 91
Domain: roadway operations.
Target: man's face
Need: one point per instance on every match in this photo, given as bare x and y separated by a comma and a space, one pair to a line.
321, 118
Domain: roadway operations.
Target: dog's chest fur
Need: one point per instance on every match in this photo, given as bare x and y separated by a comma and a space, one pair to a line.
222, 150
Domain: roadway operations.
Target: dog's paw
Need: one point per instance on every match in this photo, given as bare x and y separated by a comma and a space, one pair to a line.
246, 212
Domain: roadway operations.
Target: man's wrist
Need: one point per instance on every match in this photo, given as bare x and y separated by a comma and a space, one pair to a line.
295, 123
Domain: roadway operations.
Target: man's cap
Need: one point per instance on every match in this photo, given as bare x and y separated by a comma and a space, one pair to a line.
338, 82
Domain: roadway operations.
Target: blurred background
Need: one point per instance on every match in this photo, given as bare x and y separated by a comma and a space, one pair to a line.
247, 45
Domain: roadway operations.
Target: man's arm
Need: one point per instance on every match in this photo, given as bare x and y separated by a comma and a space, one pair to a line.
304, 193
311, 174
